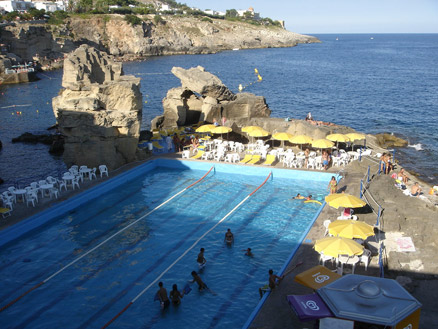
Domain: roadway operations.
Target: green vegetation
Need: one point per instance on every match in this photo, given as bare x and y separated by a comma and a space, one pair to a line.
131, 8
133, 20
158, 20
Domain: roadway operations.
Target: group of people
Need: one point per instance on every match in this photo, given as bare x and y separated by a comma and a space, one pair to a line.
314, 122
180, 143
175, 295
386, 166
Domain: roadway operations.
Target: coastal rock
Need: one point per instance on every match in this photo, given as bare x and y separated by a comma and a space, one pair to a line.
33, 139
99, 112
199, 81
203, 97
113, 34
389, 140
87, 66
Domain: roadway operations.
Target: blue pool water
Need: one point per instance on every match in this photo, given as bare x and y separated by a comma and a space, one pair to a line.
93, 290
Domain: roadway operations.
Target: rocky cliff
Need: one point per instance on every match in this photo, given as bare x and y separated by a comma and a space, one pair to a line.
173, 35
99, 111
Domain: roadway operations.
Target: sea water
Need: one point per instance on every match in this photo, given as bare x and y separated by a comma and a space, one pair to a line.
373, 83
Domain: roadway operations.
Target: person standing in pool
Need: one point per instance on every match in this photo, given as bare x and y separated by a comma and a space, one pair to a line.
198, 280
162, 296
201, 259
273, 281
175, 295
229, 237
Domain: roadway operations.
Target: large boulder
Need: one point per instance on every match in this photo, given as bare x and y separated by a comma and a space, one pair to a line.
204, 83
99, 111
203, 97
87, 66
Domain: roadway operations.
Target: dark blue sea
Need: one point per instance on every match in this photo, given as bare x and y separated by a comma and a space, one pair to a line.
373, 83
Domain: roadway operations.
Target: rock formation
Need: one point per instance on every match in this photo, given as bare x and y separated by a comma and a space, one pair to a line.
111, 33
203, 97
99, 111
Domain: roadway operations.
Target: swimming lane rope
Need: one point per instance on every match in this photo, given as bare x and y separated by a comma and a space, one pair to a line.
102, 243
183, 254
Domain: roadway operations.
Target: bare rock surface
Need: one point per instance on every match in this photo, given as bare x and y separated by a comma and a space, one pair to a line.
203, 97
99, 111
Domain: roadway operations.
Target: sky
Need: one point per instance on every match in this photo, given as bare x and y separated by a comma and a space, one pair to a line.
340, 16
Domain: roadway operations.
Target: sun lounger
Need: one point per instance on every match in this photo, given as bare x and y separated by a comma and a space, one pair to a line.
247, 158
254, 159
270, 158
197, 155
157, 145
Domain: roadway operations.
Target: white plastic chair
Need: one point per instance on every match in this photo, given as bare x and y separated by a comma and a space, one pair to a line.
61, 184
365, 258
93, 174
323, 258
54, 192
326, 225
311, 163
31, 197
185, 154
8, 197
103, 170
75, 182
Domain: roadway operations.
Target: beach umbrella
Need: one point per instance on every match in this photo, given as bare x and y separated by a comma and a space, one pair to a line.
205, 128
322, 144
355, 137
334, 246
248, 129
282, 137
344, 200
351, 229
337, 138
259, 132
156, 137
301, 139
221, 130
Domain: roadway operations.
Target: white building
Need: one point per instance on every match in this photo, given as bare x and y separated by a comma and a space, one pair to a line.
22, 6
11, 5
47, 6
214, 12
254, 15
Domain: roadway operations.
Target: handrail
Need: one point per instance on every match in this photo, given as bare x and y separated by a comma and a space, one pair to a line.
100, 244
183, 254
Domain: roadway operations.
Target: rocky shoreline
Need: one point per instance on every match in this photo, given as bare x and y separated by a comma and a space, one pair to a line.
173, 35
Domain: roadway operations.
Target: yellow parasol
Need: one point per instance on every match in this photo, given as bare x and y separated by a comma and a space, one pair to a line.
258, 132
300, 139
248, 129
334, 246
282, 137
350, 229
205, 128
221, 130
322, 144
338, 138
344, 200
355, 136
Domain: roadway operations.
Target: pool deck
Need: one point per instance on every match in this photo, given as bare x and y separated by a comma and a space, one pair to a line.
275, 312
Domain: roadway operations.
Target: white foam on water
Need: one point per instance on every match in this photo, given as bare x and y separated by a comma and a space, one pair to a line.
418, 146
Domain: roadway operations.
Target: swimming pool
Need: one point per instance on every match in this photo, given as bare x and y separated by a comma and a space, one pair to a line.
93, 290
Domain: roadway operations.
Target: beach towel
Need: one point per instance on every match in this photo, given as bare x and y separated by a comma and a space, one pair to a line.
405, 244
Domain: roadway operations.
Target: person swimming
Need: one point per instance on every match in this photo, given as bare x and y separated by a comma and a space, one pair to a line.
198, 280
248, 252
201, 259
299, 197
229, 237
